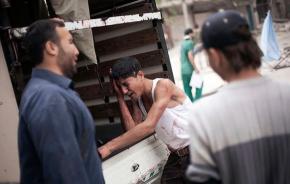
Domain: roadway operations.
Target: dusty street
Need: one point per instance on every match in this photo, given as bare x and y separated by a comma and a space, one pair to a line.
212, 82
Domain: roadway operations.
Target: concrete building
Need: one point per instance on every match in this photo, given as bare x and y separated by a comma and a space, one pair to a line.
280, 8
255, 10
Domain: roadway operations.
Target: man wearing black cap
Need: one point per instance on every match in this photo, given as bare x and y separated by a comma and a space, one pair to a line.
241, 134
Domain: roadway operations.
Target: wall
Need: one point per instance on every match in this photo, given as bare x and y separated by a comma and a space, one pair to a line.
9, 169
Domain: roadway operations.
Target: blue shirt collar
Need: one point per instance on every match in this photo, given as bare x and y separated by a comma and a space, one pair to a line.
60, 80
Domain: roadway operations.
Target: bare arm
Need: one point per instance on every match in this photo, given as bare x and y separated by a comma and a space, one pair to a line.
163, 95
129, 122
191, 59
136, 114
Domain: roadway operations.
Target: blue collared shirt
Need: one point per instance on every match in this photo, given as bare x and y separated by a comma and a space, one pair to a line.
56, 134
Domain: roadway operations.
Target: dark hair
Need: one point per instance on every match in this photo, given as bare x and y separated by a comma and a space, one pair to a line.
188, 31
38, 33
125, 67
245, 54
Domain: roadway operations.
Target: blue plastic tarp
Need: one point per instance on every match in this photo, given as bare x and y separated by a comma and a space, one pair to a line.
269, 44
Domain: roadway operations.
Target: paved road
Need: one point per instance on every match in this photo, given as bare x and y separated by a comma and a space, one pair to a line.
212, 81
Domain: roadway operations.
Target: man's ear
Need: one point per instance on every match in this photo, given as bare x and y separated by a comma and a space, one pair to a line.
51, 48
215, 56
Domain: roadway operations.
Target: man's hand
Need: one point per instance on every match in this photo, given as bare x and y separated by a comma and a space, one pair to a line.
116, 88
58, 19
191, 59
104, 151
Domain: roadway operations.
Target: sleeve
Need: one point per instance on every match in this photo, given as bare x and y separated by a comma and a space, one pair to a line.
198, 48
189, 46
202, 167
53, 134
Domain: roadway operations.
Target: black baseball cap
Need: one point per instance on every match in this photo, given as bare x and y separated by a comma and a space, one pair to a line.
218, 30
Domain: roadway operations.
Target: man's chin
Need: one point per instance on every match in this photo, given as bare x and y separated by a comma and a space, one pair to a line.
75, 70
71, 73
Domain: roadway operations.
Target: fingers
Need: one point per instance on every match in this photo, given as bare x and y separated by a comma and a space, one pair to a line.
115, 86
104, 151
101, 152
58, 19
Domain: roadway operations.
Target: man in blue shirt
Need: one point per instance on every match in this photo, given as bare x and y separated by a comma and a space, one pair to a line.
56, 130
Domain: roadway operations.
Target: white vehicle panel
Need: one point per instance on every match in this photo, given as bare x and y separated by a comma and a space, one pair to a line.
141, 163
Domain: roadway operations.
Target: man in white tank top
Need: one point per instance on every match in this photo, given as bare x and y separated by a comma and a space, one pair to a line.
158, 106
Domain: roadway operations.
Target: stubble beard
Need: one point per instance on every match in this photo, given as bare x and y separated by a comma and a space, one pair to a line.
64, 62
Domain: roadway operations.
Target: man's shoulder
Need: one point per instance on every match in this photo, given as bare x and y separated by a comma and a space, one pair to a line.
203, 113
45, 91
43, 86
164, 83
188, 43
282, 84
163, 88
38, 98
282, 88
207, 103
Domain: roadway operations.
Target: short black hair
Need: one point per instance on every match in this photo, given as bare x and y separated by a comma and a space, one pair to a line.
188, 31
125, 67
38, 33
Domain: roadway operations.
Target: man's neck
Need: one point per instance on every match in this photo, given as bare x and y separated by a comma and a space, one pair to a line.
49, 67
243, 75
187, 37
148, 83
147, 94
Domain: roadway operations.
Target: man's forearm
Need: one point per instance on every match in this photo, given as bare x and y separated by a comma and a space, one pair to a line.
132, 136
191, 59
127, 118
137, 114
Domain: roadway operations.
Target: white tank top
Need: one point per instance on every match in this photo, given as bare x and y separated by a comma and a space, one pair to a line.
172, 125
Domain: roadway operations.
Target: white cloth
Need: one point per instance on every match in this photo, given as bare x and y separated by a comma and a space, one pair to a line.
269, 44
196, 80
73, 10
